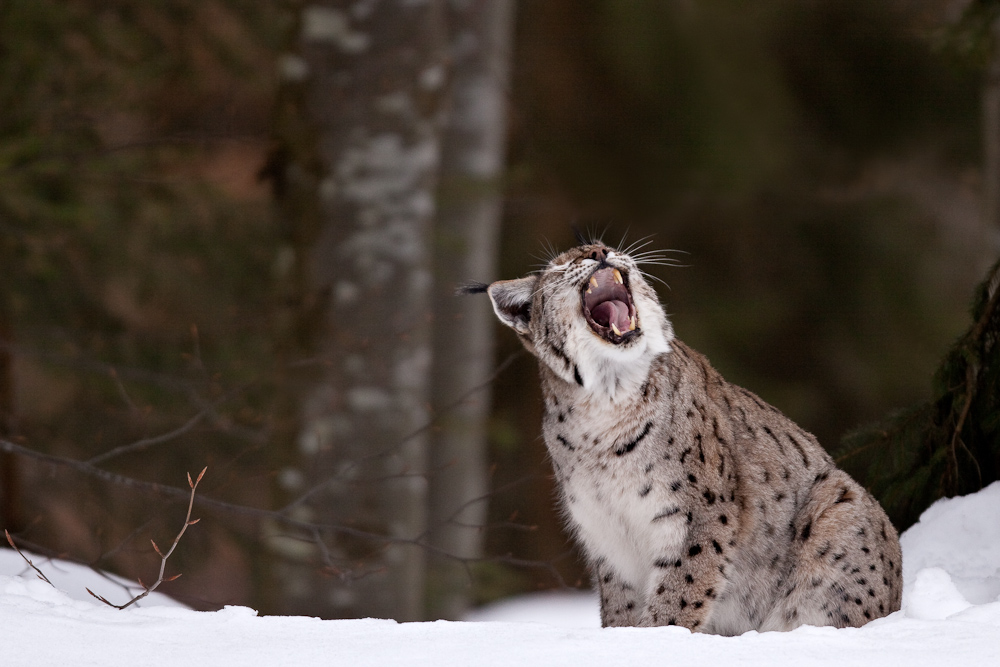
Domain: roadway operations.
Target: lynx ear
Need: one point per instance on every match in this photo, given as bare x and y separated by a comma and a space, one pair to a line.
512, 301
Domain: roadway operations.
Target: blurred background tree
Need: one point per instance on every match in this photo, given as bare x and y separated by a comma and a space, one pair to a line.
818, 160
367, 87
136, 264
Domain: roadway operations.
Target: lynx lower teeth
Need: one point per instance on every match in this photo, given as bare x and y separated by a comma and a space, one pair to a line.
618, 277
615, 329
631, 324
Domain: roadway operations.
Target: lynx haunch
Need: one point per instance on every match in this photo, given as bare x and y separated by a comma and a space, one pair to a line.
695, 502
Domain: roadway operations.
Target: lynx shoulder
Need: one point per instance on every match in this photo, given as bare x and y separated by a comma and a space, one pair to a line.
695, 502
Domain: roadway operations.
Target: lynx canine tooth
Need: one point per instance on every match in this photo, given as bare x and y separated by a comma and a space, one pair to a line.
631, 324
618, 277
593, 282
615, 329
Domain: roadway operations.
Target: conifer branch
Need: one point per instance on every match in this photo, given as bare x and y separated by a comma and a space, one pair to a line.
949, 444
972, 361
971, 372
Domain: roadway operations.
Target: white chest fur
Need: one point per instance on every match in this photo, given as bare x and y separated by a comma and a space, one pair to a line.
620, 516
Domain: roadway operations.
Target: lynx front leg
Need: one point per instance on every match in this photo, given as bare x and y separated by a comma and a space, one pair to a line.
685, 587
619, 603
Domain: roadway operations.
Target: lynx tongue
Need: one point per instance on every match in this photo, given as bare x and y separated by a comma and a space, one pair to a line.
607, 305
612, 312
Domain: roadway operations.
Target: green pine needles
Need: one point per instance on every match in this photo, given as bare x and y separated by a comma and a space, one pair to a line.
949, 445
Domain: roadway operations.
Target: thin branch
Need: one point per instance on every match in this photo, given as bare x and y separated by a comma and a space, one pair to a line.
452, 519
123, 392
106, 554
139, 445
178, 139
175, 492
169, 382
125, 584
315, 531
224, 424
89, 365
163, 556
351, 465
41, 575
874, 442
207, 410
165, 490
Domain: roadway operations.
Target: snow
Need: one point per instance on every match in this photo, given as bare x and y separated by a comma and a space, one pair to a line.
951, 615
572, 609
962, 537
74, 580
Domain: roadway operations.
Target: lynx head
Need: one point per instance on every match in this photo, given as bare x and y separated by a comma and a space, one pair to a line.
589, 316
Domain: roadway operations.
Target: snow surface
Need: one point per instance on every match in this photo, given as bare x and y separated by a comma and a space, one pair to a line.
950, 616
74, 580
962, 537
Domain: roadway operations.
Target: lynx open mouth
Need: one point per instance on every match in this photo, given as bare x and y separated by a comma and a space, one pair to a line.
608, 306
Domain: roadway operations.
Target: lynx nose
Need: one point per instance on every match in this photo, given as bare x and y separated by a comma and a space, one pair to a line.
600, 254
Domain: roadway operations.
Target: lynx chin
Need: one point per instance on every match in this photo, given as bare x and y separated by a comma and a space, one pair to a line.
695, 502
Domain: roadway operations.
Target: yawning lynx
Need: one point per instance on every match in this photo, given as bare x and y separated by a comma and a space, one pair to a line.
695, 502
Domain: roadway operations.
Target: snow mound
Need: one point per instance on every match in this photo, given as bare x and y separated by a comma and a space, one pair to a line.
933, 596
962, 537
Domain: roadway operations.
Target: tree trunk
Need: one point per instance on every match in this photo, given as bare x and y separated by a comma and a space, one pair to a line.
465, 247
371, 76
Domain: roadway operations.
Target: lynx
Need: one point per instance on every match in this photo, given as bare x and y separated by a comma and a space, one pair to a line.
694, 501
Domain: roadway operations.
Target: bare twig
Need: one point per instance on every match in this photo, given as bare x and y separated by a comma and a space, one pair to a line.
207, 410
282, 516
171, 383
123, 392
163, 556
314, 531
178, 493
139, 445
91, 564
354, 464
41, 575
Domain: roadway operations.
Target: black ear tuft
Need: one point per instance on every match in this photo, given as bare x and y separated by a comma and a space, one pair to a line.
471, 287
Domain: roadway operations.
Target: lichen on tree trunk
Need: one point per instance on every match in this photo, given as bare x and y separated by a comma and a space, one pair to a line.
465, 243
363, 149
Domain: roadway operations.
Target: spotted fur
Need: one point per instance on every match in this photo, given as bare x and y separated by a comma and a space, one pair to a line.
696, 503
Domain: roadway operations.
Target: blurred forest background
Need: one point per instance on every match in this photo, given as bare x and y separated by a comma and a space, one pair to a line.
230, 231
